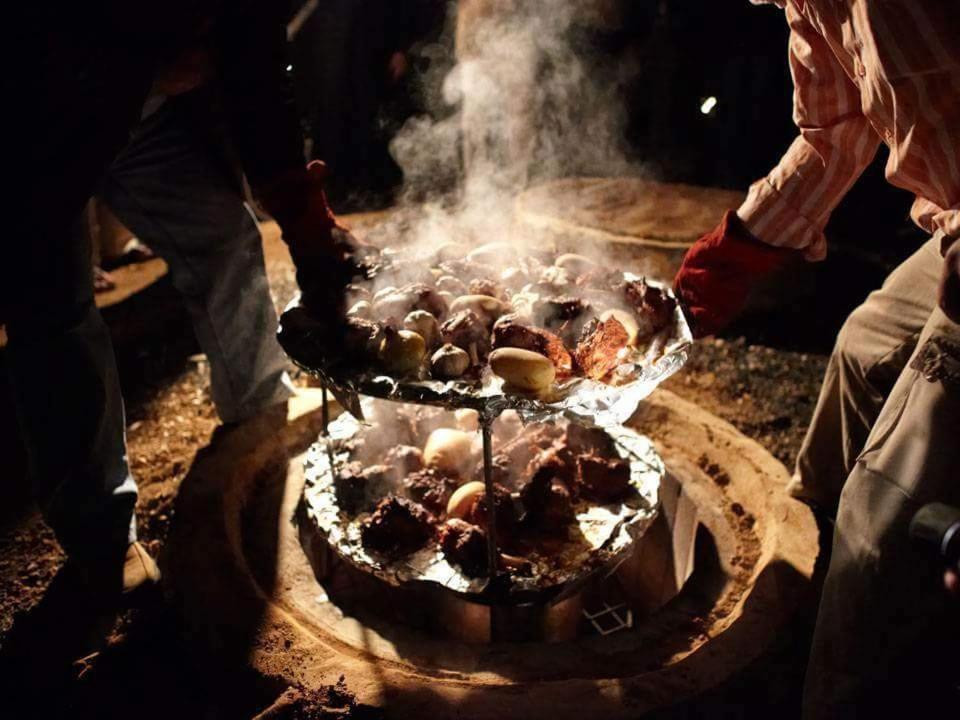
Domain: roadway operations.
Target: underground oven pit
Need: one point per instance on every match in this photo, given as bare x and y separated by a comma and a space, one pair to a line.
705, 593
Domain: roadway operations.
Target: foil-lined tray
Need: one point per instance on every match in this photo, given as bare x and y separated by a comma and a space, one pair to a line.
600, 403
604, 534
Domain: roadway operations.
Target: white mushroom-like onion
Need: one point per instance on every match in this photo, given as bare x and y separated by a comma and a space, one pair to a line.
450, 451
449, 362
402, 351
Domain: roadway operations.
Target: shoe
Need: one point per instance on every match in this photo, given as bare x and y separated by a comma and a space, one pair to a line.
140, 572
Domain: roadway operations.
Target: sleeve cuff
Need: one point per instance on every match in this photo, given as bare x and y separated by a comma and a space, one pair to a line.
770, 218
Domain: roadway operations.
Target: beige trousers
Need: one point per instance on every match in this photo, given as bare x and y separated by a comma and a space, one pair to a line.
883, 442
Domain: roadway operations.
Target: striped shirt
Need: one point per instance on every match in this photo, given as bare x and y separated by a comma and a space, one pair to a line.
866, 72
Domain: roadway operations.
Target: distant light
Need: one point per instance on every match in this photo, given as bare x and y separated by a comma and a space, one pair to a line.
708, 105
289, 68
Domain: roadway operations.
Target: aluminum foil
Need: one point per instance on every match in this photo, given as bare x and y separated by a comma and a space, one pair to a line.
604, 534
603, 404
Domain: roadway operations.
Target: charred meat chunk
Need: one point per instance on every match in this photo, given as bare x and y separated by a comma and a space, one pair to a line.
361, 338
431, 488
559, 511
500, 470
465, 545
405, 458
397, 527
357, 487
559, 309
581, 440
601, 479
546, 496
510, 331
654, 307
599, 353
505, 513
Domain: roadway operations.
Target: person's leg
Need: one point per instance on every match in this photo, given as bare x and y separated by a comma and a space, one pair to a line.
886, 628
76, 104
872, 348
175, 193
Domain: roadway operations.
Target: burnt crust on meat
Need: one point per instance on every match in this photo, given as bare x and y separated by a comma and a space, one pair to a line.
357, 487
431, 488
405, 458
464, 544
505, 512
598, 354
653, 306
603, 480
397, 527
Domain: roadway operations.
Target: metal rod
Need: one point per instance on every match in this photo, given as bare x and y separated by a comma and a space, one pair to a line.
324, 409
493, 554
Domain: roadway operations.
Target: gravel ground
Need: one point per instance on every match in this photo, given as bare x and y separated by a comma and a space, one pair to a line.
767, 394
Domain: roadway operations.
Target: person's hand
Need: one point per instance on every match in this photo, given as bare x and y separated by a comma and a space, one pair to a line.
397, 66
951, 581
326, 255
719, 271
950, 283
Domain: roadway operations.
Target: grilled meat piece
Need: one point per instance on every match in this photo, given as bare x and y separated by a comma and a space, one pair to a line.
431, 488
558, 512
405, 458
559, 309
654, 307
511, 331
546, 496
361, 338
505, 513
397, 527
602, 479
599, 353
357, 487
500, 469
465, 545
580, 440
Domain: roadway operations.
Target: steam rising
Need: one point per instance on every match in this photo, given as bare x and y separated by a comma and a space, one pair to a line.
530, 101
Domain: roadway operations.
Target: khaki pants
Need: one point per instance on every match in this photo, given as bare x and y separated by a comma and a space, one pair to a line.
883, 442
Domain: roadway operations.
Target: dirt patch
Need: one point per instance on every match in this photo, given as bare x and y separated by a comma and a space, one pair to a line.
334, 702
767, 394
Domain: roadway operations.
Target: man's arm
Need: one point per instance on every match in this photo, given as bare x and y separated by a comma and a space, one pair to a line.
791, 206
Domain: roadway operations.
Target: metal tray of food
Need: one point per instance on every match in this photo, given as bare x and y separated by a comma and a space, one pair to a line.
600, 537
634, 373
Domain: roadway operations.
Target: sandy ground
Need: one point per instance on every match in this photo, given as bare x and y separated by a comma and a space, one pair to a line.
139, 664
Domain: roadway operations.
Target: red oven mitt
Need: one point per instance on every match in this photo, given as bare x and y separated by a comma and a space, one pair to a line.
719, 271
326, 256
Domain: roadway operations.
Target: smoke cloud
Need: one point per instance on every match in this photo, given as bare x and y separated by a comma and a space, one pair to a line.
529, 99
